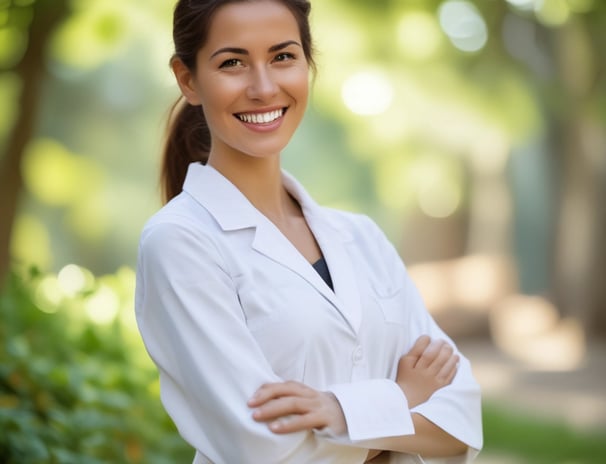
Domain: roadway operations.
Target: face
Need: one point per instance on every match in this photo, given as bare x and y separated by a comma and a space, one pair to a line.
251, 79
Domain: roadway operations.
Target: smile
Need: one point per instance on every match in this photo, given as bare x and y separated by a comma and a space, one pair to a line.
261, 118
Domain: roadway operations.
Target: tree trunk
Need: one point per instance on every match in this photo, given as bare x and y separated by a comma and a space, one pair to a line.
580, 254
31, 70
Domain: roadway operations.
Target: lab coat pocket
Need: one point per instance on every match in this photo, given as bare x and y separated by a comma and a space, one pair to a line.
268, 304
391, 300
274, 315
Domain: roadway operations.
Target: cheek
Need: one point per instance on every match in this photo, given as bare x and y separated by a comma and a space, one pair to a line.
217, 94
298, 82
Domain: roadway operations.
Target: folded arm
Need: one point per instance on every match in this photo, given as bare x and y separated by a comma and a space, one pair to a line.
290, 407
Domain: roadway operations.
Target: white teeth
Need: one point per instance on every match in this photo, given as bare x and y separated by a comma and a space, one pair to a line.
262, 118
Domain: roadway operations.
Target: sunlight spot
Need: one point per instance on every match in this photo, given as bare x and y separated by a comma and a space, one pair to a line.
418, 35
437, 185
473, 283
103, 306
479, 281
30, 242
529, 328
552, 12
367, 93
48, 295
92, 35
433, 281
74, 279
526, 5
50, 172
439, 199
464, 25
494, 378
13, 43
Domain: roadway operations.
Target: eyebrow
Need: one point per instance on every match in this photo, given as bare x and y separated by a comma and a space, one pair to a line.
243, 51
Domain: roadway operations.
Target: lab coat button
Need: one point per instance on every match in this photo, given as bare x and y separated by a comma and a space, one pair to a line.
358, 354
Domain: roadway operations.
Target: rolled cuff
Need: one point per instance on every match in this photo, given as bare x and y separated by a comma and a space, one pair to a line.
375, 408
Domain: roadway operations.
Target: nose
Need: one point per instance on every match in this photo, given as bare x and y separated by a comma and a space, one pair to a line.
262, 84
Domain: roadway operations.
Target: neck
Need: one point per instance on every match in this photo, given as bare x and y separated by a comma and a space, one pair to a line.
260, 180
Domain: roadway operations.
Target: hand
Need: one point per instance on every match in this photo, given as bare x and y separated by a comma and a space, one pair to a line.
289, 407
427, 367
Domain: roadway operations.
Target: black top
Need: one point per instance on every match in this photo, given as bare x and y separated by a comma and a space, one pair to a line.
322, 269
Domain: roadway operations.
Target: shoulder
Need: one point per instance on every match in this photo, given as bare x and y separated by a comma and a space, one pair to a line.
369, 239
182, 222
359, 226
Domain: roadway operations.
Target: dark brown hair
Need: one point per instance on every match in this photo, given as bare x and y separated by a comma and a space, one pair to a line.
188, 137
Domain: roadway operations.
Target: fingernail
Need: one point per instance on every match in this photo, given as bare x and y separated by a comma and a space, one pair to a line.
277, 425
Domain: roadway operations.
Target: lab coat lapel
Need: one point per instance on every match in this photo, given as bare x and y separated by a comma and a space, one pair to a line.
233, 211
270, 242
333, 242
346, 298
342, 270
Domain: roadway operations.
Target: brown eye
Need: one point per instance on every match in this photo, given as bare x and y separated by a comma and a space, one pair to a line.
231, 63
284, 57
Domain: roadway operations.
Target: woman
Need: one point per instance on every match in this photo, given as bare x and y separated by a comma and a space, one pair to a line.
284, 332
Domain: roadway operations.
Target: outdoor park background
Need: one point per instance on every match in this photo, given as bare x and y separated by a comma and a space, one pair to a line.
473, 132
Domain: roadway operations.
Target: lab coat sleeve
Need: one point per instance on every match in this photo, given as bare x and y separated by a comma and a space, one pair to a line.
194, 330
455, 408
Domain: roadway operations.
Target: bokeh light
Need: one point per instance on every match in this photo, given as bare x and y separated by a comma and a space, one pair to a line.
51, 173
368, 93
552, 12
31, 243
523, 4
464, 25
73, 280
48, 294
419, 35
103, 305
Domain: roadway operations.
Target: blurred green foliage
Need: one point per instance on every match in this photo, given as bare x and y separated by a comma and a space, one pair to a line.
73, 391
534, 440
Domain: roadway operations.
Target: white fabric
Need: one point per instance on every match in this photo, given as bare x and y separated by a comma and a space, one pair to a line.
225, 303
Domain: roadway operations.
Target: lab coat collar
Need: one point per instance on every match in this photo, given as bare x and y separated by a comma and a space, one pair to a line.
233, 211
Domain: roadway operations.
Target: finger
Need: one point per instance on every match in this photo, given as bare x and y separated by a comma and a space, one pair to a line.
430, 354
271, 391
444, 354
296, 423
406, 363
449, 370
282, 407
420, 346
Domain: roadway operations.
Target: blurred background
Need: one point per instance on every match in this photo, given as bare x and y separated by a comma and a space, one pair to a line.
472, 131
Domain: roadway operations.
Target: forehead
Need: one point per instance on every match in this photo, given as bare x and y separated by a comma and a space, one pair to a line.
246, 23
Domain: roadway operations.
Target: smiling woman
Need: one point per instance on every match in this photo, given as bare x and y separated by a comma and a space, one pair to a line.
284, 332
252, 87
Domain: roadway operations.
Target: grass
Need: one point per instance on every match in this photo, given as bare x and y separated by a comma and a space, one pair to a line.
532, 440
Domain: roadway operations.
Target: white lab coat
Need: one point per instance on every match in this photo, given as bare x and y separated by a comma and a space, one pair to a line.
225, 303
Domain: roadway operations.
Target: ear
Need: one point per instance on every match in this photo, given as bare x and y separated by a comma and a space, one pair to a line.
186, 81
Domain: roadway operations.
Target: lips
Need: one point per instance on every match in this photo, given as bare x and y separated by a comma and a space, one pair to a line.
261, 118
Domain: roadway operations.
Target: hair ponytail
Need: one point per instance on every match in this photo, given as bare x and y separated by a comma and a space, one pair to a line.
187, 141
